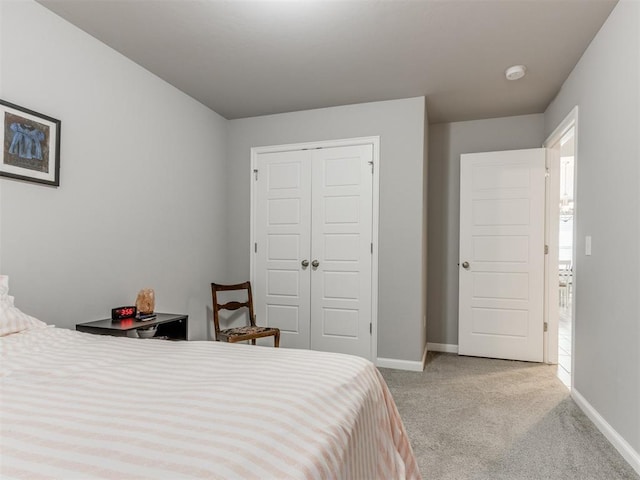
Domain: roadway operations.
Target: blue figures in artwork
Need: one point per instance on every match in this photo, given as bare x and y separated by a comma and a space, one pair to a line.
26, 142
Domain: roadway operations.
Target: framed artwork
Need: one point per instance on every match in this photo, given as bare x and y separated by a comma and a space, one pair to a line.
30, 145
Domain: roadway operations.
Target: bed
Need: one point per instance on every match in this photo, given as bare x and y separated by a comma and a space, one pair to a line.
76, 405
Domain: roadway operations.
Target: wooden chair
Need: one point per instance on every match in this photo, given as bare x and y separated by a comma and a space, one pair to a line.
239, 334
566, 282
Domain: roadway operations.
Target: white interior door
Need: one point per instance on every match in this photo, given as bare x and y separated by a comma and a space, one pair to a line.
502, 197
281, 284
312, 269
342, 182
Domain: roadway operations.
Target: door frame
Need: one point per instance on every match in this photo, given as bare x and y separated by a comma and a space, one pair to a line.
374, 141
552, 144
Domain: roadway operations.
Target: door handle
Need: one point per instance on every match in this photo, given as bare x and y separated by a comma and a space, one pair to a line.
304, 263
465, 265
315, 264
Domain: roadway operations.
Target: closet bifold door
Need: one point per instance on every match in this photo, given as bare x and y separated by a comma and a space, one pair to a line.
313, 216
283, 244
341, 235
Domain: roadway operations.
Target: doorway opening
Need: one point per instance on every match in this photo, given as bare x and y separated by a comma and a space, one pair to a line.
560, 289
565, 255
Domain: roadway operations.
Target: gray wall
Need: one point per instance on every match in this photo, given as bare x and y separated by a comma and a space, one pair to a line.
400, 125
136, 153
605, 85
447, 142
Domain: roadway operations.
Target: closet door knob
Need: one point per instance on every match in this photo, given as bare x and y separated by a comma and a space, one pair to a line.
315, 264
304, 263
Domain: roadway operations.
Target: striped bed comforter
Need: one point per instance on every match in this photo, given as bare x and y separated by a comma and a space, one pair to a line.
75, 405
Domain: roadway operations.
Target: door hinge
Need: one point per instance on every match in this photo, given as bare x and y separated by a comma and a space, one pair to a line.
546, 326
255, 173
546, 249
546, 172
255, 248
371, 163
372, 248
371, 328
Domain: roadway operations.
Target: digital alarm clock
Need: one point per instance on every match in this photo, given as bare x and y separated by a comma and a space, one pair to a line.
120, 313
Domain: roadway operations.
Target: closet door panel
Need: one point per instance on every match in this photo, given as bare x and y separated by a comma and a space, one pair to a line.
283, 225
341, 232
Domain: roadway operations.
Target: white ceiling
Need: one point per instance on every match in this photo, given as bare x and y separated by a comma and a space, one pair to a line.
249, 58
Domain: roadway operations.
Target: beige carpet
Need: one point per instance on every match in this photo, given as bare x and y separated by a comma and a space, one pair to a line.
486, 419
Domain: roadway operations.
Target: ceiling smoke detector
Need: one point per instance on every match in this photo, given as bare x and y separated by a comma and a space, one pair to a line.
516, 72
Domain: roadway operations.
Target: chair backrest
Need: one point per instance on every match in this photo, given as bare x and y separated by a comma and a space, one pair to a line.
565, 272
564, 265
233, 305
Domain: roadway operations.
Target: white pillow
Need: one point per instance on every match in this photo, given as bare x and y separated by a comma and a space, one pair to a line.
4, 289
4, 285
12, 320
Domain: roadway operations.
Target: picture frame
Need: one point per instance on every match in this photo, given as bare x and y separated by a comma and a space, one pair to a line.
30, 145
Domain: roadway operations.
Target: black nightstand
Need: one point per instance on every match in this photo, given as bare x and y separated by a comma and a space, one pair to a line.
171, 326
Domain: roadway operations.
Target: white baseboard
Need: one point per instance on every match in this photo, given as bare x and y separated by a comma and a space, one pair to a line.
409, 365
626, 450
442, 347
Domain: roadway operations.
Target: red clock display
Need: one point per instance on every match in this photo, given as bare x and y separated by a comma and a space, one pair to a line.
121, 313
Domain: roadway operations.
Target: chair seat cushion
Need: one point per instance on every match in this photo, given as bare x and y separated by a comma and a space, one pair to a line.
238, 331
